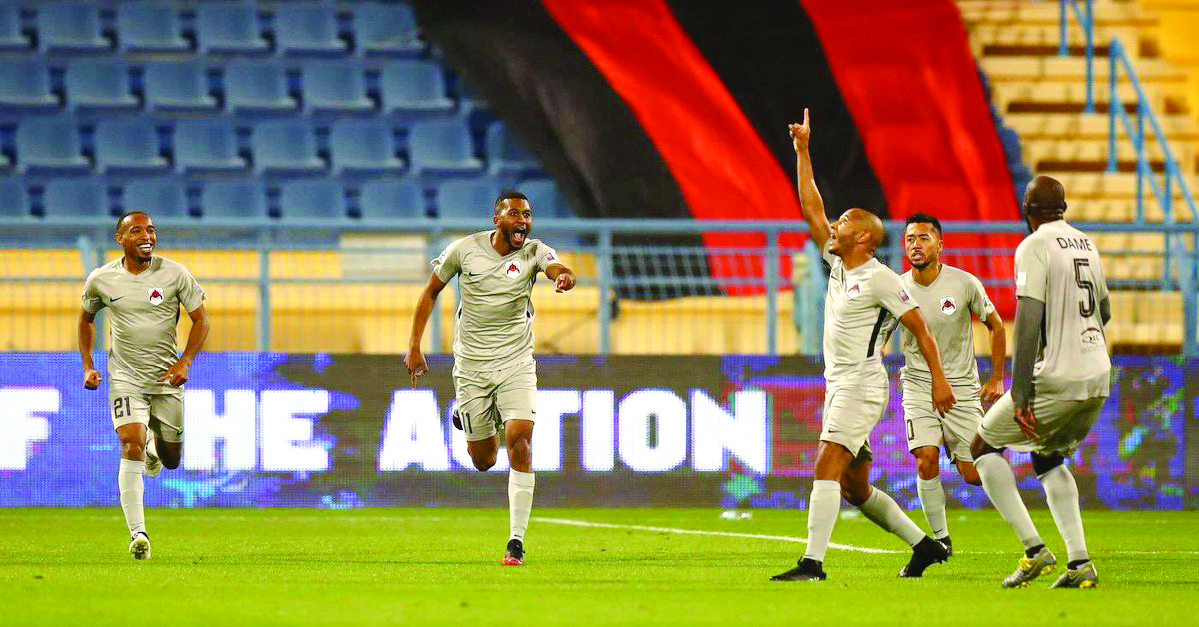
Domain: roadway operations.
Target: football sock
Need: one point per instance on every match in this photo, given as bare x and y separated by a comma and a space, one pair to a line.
1062, 494
883, 511
824, 504
129, 480
1000, 485
1076, 564
1032, 551
932, 500
520, 501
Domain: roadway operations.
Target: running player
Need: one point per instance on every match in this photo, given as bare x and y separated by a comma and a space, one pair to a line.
951, 297
495, 376
862, 295
1060, 381
143, 293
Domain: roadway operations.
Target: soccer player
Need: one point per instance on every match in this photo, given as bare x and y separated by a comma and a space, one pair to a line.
143, 293
1060, 381
950, 297
862, 295
495, 376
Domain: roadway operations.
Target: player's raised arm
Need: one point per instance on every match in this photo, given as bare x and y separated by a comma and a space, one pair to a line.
943, 398
415, 360
809, 196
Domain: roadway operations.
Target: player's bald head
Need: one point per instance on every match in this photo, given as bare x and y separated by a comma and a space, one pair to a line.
865, 222
1044, 198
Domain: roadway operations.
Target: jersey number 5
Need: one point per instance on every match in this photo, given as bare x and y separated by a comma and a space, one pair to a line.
1086, 308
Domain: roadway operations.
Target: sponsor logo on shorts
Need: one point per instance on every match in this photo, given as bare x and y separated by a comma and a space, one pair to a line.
156, 295
949, 305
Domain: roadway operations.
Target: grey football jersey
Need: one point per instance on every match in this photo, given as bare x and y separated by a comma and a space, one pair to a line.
495, 314
948, 305
143, 312
857, 308
1059, 265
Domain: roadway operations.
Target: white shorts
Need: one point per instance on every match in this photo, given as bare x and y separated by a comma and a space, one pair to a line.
953, 433
161, 413
850, 413
487, 399
1061, 424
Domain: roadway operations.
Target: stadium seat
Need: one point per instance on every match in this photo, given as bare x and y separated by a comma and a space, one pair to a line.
149, 27
287, 146
391, 199
466, 199
64, 26
546, 200
11, 37
442, 147
229, 27
363, 146
86, 197
414, 87
505, 156
233, 199
98, 83
127, 144
14, 198
160, 197
313, 198
335, 86
386, 29
25, 83
307, 27
209, 144
181, 85
49, 143
251, 86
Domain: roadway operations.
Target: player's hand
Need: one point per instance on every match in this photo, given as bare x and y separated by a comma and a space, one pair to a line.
91, 378
992, 390
943, 398
801, 133
177, 375
1028, 423
416, 364
564, 282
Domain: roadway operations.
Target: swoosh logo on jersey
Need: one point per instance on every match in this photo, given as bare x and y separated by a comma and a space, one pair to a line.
116, 299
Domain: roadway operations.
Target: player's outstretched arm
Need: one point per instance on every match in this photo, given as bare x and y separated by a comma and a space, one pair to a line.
562, 277
87, 341
415, 360
177, 374
809, 196
943, 398
994, 386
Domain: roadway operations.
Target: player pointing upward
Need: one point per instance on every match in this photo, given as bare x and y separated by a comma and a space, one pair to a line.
862, 295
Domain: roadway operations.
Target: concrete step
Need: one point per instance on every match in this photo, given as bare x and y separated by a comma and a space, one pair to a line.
1178, 128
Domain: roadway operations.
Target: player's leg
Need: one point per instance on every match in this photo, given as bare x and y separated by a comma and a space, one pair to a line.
165, 437
130, 413
1061, 493
516, 401
923, 428
476, 416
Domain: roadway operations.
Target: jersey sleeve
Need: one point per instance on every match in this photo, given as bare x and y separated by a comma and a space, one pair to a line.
1032, 270
980, 303
191, 295
92, 302
449, 262
890, 292
546, 257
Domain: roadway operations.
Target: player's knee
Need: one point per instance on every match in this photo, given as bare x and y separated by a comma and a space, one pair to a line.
854, 492
927, 462
133, 449
979, 447
1042, 464
970, 474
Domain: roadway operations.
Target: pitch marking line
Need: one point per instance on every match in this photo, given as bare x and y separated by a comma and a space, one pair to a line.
700, 532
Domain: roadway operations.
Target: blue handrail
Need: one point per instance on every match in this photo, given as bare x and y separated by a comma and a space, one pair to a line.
1087, 21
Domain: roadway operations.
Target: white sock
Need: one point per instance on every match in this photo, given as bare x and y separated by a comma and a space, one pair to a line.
520, 501
1062, 494
824, 504
1000, 485
883, 511
129, 480
932, 501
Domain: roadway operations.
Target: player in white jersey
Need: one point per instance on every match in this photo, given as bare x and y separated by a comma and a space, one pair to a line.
863, 295
143, 294
495, 377
951, 298
1060, 380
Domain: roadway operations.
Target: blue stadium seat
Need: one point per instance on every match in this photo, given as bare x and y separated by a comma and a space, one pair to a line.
338, 86
363, 146
76, 197
505, 155
545, 198
257, 86
391, 199
127, 144
386, 29
466, 199
209, 144
181, 85
49, 143
229, 27
442, 147
98, 83
70, 26
313, 198
149, 27
307, 27
233, 199
26, 83
164, 197
286, 146
11, 37
414, 87
15, 198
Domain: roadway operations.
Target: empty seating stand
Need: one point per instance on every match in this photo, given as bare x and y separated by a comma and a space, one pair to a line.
207, 145
386, 29
128, 144
178, 86
363, 146
70, 26
11, 37
50, 144
25, 84
256, 86
335, 86
466, 199
320, 199
222, 200
160, 197
442, 148
307, 28
229, 27
85, 197
99, 84
285, 147
387, 199
149, 27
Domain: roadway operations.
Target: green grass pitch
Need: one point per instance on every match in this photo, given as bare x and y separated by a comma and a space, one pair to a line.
441, 566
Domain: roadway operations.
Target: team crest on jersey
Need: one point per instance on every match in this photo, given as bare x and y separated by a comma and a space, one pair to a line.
156, 295
854, 290
513, 269
949, 305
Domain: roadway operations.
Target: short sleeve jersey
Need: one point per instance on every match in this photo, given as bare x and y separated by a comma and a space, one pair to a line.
494, 326
1059, 266
143, 313
857, 308
949, 304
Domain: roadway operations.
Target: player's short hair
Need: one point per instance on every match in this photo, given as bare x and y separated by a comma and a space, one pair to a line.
924, 218
509, 194
121, 220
